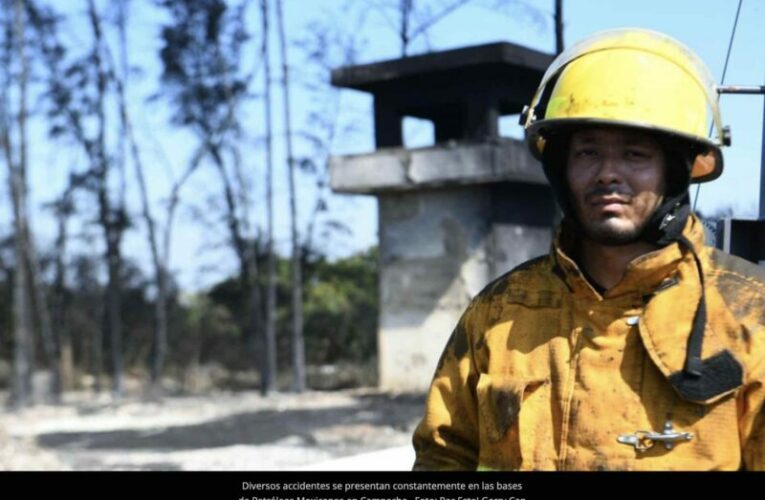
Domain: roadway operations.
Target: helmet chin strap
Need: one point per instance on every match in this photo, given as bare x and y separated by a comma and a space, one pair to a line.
700, 379
666, 224
664, 227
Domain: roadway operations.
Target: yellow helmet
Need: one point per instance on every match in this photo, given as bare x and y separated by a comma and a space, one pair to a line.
631, 77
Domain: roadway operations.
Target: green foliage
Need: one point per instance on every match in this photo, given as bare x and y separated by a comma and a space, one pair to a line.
341, 309
205, 332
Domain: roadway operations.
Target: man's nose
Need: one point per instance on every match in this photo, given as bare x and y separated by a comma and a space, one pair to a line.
609, 170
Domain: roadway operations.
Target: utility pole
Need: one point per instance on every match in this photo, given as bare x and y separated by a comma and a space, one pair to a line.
746, 238
558, 26
761, 218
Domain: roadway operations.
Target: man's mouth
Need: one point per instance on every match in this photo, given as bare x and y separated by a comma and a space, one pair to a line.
608, 200
608, 203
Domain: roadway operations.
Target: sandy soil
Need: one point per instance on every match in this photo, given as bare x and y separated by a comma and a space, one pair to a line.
221, 431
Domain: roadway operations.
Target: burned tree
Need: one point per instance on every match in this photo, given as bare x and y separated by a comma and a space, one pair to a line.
79, 94
14, 153
204, 81
22, 22
159, 262
270, 370
298, 349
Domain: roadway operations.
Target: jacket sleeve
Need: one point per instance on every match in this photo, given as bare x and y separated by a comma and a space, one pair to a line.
752, 419
447, 437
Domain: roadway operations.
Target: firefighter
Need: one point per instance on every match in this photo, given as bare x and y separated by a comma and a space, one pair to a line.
632, 345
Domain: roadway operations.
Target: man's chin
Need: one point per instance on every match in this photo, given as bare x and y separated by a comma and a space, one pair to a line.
611, 233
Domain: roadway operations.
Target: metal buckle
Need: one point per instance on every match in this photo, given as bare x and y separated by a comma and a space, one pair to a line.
644, 440
665, 222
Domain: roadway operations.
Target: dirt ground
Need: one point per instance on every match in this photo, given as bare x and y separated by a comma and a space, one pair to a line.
220, 431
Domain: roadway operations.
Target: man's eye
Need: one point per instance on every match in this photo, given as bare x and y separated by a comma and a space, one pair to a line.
636, 154
586, 153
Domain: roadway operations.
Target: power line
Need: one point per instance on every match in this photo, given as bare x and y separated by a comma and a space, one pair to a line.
722, 81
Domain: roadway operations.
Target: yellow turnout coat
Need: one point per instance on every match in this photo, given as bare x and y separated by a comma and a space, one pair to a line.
544, 373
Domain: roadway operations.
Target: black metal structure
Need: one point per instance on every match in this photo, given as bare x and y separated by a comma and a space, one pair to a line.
743, 237
462, 91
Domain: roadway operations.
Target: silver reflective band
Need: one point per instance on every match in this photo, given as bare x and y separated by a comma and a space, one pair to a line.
644, 440
633, 320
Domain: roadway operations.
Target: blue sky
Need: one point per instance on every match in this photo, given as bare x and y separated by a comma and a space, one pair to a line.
199, 258
705, 26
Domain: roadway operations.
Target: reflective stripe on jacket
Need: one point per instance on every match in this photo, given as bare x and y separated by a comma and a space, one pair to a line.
544, 373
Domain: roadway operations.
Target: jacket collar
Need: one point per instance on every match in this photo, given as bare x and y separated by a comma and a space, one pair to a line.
643, 275
670, 287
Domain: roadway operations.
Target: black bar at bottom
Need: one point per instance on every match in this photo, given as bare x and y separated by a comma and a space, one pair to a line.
375, 485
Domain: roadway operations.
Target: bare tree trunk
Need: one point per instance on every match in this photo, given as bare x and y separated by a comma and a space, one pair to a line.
63, 211
121, 74
50, 344
114, 305
247, 261
159, 345
269, 382
159, 341
22, 317
298, 349
167, 234
23, 347
24, 251
97, 352
96, 154
49, 338
320, 204
111, 223
558, 26
172, 204
22, 328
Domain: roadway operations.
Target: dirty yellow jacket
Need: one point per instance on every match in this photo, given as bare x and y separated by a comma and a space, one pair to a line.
543, 372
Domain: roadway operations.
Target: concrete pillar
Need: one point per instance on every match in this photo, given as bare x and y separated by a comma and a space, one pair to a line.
452, 218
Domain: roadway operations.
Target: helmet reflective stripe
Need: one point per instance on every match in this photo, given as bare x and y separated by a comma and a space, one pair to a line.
635, 78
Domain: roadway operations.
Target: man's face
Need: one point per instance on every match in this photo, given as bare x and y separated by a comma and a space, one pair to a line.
616, 180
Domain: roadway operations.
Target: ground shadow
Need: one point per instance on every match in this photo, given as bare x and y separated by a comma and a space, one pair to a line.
251, 428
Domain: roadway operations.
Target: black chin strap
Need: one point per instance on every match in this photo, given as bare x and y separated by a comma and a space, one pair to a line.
693, 365
699, 379
708, 379
665, 227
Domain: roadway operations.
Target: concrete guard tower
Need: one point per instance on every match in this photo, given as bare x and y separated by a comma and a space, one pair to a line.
453, 216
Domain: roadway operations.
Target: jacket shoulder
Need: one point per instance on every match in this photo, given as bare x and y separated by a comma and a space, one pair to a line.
741, 285
730, 267
532, 270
